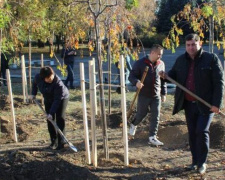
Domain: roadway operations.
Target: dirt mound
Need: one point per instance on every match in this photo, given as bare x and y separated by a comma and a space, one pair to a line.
217, 134
174, 136
50, 167
174, 133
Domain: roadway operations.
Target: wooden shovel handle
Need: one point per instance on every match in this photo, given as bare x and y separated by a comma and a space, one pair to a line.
137, 92
191, 93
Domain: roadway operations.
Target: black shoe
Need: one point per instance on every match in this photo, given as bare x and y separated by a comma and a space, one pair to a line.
53, 145
59, 147
192, 167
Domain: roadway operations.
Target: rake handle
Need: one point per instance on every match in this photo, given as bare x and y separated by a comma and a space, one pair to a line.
137, 92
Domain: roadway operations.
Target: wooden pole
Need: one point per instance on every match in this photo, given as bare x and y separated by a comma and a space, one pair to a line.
42, 65
24, 79
124, 110
92, 109
95, 96
86, 132
11, 105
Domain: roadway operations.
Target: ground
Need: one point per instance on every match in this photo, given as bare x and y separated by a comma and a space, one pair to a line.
30, 157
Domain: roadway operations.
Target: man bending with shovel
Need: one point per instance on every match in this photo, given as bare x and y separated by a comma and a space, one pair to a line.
56, 97
152, 91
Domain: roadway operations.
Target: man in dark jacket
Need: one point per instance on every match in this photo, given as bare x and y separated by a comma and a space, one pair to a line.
56, 97
68, 54
153, 91
4, 66
201, 73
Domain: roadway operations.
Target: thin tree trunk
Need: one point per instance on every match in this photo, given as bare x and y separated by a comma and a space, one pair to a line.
109, 73
0, 50
211, 33
101, 89
30, 85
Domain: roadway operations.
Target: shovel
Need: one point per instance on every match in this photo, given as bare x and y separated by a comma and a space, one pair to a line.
137, 92
57, 128
192, 94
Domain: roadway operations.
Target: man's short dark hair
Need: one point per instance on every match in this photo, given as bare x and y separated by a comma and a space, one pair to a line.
156, 47
46, 72
192, 37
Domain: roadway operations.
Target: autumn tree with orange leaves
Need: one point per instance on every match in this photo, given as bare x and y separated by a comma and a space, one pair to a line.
202, 18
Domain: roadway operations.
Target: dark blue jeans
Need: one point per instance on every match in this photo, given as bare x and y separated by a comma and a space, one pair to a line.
143, 106
198, 128
70, 75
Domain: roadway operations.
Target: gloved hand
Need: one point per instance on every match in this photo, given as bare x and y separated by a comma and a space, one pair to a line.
49, 117
32, 97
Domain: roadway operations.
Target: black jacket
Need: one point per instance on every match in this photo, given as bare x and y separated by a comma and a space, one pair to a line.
208, 77
153, 84
68, 59
52, 92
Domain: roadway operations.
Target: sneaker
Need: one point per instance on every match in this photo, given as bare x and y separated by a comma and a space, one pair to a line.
202, 169
132, 129
154, 141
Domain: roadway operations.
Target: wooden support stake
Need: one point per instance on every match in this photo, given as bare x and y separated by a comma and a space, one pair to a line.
11, 105
23, 81
92, 109
85, 121
42, 65
95, 96
124, 110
